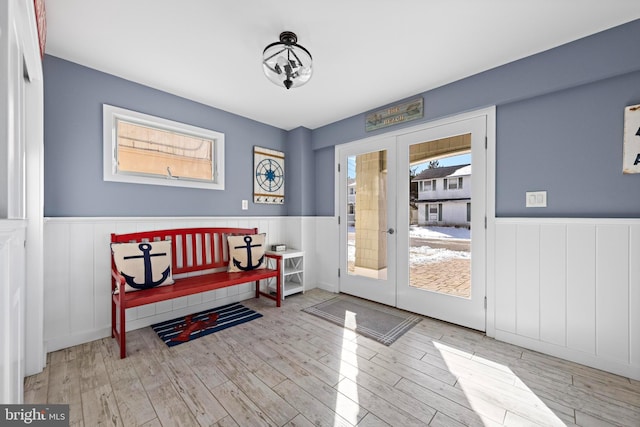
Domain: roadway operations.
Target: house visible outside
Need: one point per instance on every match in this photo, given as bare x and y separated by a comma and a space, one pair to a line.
439, 251
351, 202
439, 234
444, 196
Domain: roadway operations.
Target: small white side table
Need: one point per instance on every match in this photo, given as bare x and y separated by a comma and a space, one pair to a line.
292, 271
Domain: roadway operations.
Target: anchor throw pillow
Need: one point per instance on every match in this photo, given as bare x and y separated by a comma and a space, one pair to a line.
144, 265
246, 252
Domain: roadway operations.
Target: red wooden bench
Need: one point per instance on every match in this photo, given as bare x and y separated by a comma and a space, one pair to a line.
203, 272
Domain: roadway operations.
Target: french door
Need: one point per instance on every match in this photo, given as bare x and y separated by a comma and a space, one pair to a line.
383, 226
367, 234
447, 279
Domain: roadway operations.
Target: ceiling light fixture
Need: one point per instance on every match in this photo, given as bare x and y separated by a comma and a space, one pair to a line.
286, 62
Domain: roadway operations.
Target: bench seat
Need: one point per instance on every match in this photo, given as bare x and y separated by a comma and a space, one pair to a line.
196, 252
193, 285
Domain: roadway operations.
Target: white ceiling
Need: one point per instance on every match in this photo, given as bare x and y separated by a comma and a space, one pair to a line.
366, 53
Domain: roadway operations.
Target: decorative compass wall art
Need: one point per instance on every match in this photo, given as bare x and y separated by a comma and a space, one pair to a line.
268, 177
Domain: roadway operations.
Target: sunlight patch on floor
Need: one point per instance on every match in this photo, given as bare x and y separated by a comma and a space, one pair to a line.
347, 404
488, 385
350, 320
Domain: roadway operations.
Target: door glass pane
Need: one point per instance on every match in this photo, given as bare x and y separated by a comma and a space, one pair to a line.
367, 215
440, 222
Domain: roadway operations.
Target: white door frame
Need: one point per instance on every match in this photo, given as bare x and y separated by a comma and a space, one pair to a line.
490, 114
22, 126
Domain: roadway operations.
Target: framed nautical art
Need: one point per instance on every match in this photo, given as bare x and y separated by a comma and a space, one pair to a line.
268, 176
631, 152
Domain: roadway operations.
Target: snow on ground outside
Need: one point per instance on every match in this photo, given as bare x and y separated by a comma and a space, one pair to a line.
439, 232
426, 254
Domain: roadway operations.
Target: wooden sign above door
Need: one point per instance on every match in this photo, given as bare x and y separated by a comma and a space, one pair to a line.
400, 113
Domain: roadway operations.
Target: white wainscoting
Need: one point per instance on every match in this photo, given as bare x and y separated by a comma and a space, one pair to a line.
12, 310
565, 287
327, 251
570, 288
77, 285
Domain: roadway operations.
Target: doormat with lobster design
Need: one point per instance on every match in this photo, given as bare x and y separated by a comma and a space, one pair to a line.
193, 326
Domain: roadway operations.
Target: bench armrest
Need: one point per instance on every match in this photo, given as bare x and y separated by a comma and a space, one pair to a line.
275, 257
119, 281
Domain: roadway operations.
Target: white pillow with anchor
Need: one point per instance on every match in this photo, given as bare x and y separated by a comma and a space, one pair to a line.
144, 265
246, 252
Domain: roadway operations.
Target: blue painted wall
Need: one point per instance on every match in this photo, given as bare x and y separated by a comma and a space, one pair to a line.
299, 172
570, 144
324, 181
559, 127
73, 98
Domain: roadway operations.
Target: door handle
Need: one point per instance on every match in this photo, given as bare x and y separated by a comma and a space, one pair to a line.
390, 231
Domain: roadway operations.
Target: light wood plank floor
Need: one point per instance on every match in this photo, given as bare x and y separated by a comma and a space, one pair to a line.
290, 368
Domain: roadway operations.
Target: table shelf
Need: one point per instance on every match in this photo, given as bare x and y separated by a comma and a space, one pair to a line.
292, 267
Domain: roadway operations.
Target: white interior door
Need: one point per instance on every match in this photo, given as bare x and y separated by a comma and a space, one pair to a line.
444, 277
367, 203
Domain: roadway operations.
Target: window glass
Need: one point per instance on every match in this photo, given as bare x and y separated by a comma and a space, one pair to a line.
144, 149
152, 151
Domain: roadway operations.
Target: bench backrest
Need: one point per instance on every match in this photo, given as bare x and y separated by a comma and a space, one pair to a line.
193, 249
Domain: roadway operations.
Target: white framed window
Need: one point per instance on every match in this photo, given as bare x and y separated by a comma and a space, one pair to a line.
143, 149
429, 185
453, 183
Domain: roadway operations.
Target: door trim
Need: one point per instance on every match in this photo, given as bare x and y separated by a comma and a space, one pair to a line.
490, 114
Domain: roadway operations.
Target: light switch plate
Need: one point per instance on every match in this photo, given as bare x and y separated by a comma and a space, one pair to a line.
245, 205
536, 199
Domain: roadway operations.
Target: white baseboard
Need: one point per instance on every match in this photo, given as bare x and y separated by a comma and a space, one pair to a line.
66, 341
58, 343
626, 370
329, 287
